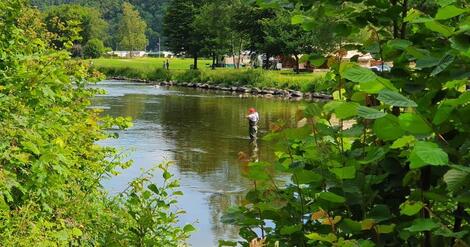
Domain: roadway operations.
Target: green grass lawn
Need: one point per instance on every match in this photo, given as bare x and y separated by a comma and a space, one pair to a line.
151, 68
148, 64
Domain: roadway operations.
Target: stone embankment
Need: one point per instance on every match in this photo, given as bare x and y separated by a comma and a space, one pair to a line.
265, 92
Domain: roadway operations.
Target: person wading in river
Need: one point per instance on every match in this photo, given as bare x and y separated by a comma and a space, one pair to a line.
253, 118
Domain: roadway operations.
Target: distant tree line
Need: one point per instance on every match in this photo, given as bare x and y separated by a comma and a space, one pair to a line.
212, 28
112, 11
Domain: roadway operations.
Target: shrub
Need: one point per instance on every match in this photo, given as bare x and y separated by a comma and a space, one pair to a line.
159, 74
94, 48
189, 76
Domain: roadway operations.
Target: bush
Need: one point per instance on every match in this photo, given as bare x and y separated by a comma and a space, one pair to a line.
93, 49
159, 75
189, 76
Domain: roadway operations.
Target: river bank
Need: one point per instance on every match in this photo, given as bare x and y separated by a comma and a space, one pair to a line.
283, 83
247, 90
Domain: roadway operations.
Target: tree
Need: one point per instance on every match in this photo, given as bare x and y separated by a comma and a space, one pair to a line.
284, 38
212, 22
181, 35
93, 49
386, 162
74, 24
131, 29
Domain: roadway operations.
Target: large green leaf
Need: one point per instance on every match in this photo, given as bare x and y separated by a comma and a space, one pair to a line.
411, 208
346, 110
370, 113
332, 197
435, 26
448, 12
330, 238
455, 178
427, 153
359, 74
403, 141
387, 128
421, 225
443, 64
443, 113
348, 172
395, 99
306, 177
401, 44
414, 124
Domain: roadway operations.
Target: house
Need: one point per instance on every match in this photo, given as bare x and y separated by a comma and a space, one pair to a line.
244, 60
128, 53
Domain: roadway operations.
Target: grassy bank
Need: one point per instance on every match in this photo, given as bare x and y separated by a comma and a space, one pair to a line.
152, 69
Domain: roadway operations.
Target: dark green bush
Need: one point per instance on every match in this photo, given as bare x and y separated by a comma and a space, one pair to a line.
160, 75
189, 76
94, 48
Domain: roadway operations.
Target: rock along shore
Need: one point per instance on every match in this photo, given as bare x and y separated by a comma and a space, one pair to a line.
248, 90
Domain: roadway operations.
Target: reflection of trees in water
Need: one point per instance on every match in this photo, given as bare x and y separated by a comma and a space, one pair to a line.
219, 204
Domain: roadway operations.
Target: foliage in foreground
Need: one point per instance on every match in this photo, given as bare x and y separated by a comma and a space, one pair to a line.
50, 166
387, 162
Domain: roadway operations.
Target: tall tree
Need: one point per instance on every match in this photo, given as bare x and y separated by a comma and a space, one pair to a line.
74, 24
131, 29
181, 35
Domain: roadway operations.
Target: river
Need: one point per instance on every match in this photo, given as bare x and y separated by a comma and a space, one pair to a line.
203, 133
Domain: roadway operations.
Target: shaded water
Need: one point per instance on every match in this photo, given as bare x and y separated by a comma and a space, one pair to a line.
202, 133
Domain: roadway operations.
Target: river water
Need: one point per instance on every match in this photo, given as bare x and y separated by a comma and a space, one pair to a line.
203, 133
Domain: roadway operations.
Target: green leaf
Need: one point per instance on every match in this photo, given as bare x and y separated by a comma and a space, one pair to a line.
370, 113
455, 179
414, 124
166, 175
330, 238
346, 110
348, 172
189, 228
349, 226
435, 26
287, 230
388, 128
400, 44
444, 3
412, 15
31, 147
373, 155
421, 225
332, 197
395, 99
297, 19
306, 177
313, 110
359, 74
223, 243
442, 114
427, 62
427, 153
411, 208
385, 229
443, 64
153, 188
403, 141
448, 12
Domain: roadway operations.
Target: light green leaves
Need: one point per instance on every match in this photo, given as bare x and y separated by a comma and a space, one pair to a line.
305, 177
403, 141
387, 128
348, 172
427, 153
435, 26
395, 99
411, 208
332, 197
370, 113
448, 12
414, 124
27, 145
359, 74
421, 225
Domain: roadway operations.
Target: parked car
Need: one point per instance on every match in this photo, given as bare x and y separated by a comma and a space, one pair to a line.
381, 68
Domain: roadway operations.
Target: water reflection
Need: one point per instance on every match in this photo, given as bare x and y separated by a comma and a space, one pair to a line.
204, 134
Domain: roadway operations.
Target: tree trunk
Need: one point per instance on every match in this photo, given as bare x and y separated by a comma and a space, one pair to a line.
195, 61
213, 60
403, 15
297, 66
266, 62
